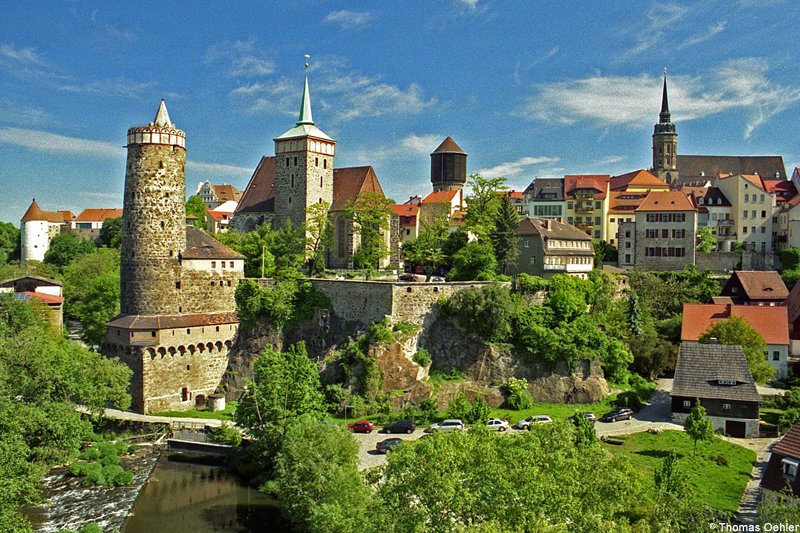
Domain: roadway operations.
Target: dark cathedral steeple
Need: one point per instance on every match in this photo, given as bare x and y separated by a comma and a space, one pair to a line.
665, 141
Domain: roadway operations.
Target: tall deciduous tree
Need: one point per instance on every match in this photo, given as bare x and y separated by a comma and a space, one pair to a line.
319, 235
504, 241
475, 261
737, 331
285, 385
427, 250
9, 242
698, 426
371, 220
67, 247
111, 232
197, 207
705, 240
483, 203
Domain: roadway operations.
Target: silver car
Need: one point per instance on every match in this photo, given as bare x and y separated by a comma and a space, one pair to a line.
526, 423
451, 424
497, 424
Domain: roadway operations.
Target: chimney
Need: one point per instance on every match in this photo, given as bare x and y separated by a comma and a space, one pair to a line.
546, 224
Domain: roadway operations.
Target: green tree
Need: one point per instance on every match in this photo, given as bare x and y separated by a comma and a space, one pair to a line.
371, 217
100, 306
483, 204
677, 509
604, 251
737, 331
197, 207
319, 485
503, 237
319, 236
65, 248
288, 246
9, 242
635, 318
517, 395
780, 510
459, 406
585, 433
706, 240
698, 426
111, 232
79, 274
428, 249
285, 385
478, 413
475, 261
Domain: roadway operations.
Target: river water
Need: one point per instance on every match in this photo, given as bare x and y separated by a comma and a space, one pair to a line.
186, 494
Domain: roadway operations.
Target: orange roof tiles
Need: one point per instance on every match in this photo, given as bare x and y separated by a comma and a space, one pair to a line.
227, 192
771, 322
755, 179
405, 210
35, 213
575, 182
49, 299
621, 202
440, 197
449, 146
667, 201
98, 215
760, 285
218, 216
638, 178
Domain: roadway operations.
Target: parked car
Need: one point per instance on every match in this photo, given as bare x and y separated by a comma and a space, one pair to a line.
451, 424
497, 424
590, 417
619, 414
526, 423
437, 279
400, 426
385, 446
407, 277
362, 426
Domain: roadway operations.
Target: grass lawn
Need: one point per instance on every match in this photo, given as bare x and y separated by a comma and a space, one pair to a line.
770, 415
719, 486
227, 414
555, 410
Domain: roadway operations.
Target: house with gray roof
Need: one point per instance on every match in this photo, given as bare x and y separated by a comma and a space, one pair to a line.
548, 247
544, 198
718, 377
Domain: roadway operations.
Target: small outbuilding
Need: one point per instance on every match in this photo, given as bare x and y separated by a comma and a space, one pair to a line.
718, 377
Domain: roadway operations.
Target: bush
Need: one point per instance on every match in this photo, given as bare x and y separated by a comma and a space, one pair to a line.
422, 357
459, 406
225, 434
478, 412
528, 284
720, 459
405, 328
428, 410
99, 464
517, 395
628, 399
380, 332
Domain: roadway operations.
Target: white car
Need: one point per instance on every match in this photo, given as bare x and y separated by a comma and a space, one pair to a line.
533, 420
497, 424
451, 424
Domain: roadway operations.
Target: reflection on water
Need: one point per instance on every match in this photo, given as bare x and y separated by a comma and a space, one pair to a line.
196, 498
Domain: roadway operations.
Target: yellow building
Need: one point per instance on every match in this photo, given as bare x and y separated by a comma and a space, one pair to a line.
586, 198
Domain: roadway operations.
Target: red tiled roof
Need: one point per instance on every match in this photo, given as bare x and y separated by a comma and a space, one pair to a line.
622, 202
440, 197
449, 145
98, 215
667, 201
761, 285
515, 195
259, 195
793, 303
788, 446
638, 178
146, 322
35, 213
755, 179
49, 299
218, 216
350, 183
770, 322
598, 182
405, 210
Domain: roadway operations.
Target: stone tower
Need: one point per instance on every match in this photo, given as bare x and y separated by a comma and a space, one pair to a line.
304, 167
448, 166
154, 222
665, 142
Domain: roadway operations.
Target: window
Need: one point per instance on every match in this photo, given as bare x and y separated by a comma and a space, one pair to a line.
152, 333
231, 264
597, 234
789, 467
213, 264
569, 220
533, 260
597, 205
628, 244
177, 284
762, 197
744, 213
746, 198
316, 161
679, 234
753, 213
664, 233
744, 229
324, 163
292, 177
726, 407
628, 234
687, 403
776, 355
763, 229
527, 243
295, 161
597, 220
569, 205
287, 161
188, 331
763, 214
628, 257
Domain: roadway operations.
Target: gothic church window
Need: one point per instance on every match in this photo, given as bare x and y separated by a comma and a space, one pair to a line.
295, 161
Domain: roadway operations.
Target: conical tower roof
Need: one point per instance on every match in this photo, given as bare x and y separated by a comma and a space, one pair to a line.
305, 124
33, 213
449, 146
305, 106
664, 116
162, 115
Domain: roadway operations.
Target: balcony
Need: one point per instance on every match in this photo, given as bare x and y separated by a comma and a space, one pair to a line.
583, 195
584, 210
725, 223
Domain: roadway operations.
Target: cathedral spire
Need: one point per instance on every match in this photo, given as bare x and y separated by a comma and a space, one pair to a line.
664, 116
305, 105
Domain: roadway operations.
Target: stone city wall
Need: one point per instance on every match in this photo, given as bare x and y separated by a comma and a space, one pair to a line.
208, 291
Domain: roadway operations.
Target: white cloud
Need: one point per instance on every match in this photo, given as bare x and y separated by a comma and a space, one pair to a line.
470, 4
14, 112
420, 144
717, 28
383, 99
217, 169
44, 141
113, 31
22, 55
243, 58
111, 87
611, 159
512, 168
634, 101
660, 18
410, 147
348, 20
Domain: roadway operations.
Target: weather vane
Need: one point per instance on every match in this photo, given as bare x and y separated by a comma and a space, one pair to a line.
307, 58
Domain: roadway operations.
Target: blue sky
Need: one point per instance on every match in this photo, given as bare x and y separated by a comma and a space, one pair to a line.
526, 88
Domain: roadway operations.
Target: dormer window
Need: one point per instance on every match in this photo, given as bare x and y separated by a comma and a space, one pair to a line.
727, 382
789, 468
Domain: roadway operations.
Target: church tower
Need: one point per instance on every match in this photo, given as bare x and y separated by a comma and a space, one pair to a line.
448, 166
304, 167
154, 221
665, 142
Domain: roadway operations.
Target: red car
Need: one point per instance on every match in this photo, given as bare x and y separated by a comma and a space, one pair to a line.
362, 426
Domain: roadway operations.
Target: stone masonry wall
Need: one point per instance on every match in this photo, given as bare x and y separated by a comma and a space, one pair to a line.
153, 228
307, 178
415, 303
208, 291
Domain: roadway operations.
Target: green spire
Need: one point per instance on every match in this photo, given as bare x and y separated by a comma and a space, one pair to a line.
305, 105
